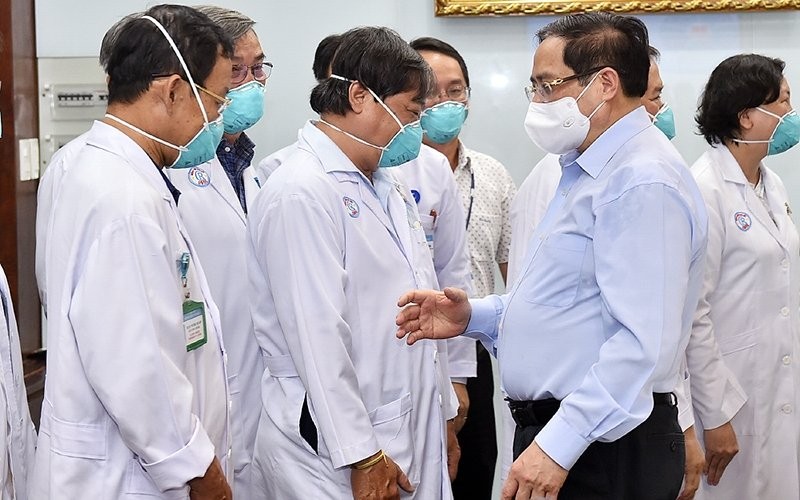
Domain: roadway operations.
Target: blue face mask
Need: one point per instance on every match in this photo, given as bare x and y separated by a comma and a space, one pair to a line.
785, 136
443, 122
247, 107
664, 121
402, 148
203, 146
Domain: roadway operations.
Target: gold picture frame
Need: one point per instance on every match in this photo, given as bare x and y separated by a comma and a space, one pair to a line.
550, 7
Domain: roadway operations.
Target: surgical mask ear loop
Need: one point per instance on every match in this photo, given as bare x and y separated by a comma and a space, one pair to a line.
183, 65
589, 118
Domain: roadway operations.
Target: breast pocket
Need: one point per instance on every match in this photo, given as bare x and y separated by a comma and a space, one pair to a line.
555, 273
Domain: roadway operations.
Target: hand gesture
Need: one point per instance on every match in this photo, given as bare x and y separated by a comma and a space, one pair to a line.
433, 314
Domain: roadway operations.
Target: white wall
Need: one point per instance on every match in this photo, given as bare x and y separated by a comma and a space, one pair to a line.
498, 52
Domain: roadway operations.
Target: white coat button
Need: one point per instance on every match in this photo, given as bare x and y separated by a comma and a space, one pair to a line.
785, 264
230, 452
440, 400
787, 360
787, 408
230, 405
225, 358
784, 311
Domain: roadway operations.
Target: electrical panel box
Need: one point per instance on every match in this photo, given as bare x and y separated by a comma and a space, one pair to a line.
72, 94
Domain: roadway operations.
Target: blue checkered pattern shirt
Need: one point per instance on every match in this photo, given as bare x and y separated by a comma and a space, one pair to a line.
235, 158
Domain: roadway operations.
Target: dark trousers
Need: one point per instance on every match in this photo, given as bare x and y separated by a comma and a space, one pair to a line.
645, 464
478, 439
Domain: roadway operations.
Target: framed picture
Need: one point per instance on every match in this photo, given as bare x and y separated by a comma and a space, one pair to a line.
550, 7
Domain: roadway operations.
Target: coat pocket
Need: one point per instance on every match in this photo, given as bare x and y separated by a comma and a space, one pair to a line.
392, 425
79, 440
740, 354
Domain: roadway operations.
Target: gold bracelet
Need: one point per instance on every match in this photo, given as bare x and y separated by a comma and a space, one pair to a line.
369, 462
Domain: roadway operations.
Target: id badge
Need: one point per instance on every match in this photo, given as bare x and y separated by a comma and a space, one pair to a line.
194, 324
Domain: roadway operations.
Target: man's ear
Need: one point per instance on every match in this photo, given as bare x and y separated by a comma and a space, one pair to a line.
169, 91
610, 83
359, 96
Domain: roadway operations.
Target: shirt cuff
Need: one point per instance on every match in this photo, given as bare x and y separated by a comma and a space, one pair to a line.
355, 453
189, 462
733, 398
483, 322
459, 380
561, 442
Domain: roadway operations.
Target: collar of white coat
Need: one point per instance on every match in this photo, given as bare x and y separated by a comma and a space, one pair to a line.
314, 140
729, 167
112, 140
595, 158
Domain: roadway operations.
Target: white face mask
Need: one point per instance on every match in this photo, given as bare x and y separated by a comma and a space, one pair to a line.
559, 126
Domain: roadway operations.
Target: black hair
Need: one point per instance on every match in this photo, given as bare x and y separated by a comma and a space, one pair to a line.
604, 40
324, 55
740, 82
653, 52
137, 51
380, 60
441, 47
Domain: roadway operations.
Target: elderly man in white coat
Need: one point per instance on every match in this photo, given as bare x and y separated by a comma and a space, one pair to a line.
18, 442
748, 310
136, 399
348, 411
213, 205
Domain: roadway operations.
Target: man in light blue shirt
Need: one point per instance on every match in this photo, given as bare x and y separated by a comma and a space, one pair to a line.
589, 337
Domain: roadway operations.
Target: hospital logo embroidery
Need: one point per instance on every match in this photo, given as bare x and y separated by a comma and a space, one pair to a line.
351, 206
742, 220
199, 177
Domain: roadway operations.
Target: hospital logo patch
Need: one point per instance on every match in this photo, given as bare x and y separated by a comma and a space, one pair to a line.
351, 206
199, 177
742, 220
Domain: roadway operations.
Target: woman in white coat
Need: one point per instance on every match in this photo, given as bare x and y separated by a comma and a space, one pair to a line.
752, 289
349, 412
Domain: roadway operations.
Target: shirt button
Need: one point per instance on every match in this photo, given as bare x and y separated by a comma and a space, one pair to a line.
784, 311
787, 408
563, 193
787, 360
227, 149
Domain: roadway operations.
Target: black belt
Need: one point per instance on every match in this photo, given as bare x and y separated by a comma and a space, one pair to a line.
539, 412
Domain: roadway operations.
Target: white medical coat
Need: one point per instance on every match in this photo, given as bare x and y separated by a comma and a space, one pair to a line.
128, 410
46, 194
216, 222
328, 266
18, 441
749, 306
434, 189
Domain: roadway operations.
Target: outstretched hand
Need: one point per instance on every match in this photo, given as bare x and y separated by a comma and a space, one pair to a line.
430, 314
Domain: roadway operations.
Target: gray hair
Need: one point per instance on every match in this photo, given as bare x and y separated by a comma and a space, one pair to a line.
111, 36
234, 23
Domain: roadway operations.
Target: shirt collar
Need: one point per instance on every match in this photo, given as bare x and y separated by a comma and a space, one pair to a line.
594, 159
242, 146
172, 189
464, 160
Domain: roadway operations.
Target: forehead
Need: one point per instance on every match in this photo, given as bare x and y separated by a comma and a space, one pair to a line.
548, 61
446, 68
247, 47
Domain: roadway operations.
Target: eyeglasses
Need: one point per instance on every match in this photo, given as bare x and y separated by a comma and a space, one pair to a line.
224, 101
260, 71
545, 89
457, 93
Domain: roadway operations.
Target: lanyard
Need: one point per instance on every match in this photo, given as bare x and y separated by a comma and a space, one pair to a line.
471, 196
